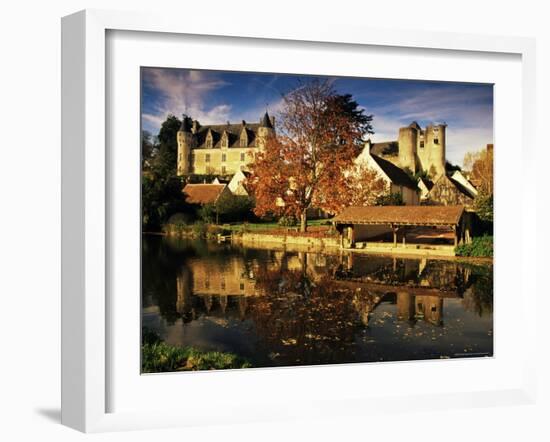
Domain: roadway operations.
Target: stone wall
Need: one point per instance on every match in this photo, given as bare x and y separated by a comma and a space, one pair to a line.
284, 240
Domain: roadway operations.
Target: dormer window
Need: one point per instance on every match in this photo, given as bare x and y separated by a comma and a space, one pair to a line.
225, 140
244, 138
209, 140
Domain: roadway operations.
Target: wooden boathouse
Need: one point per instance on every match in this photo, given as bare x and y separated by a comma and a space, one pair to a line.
404, 227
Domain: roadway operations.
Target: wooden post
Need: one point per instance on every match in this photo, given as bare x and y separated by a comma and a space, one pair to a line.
455, 235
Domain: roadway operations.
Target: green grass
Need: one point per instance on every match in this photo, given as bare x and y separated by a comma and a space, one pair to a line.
237, 227
481, 246
160, 357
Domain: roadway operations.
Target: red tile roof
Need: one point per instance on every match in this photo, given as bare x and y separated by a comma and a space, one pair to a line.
401, 215
203, 193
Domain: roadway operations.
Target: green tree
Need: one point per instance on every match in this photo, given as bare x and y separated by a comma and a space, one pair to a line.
148, 150
483, 205
165, 161
350, 108
390, 199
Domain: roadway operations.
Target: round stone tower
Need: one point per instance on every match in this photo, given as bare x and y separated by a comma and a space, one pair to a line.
185, 144
408, 137
435, 142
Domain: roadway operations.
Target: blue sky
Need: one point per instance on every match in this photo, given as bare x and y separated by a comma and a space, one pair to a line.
218, 96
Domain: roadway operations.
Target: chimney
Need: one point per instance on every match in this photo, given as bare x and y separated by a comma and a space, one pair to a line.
195, 127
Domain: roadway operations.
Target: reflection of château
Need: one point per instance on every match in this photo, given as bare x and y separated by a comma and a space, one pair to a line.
228, 287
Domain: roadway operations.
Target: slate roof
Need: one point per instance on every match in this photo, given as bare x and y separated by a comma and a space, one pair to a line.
203, 193
266, 121
395, 174
385, 148
461, 188
401, 215
233, 132
427, 182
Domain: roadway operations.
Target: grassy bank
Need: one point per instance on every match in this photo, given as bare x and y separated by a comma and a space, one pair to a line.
479, 247
160, 357
210, 231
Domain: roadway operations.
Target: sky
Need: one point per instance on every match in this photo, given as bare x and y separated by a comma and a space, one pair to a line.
215, 97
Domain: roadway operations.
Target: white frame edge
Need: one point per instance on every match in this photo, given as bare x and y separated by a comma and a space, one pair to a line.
84, 346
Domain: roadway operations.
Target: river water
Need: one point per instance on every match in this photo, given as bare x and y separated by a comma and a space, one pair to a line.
281, 308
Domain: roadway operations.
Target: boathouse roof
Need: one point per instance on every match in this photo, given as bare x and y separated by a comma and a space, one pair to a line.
401, 215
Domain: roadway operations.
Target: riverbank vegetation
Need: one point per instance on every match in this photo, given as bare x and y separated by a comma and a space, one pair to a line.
157, 357
479, 247
161, 357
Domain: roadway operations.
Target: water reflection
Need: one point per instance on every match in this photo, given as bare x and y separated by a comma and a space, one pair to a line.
284, 308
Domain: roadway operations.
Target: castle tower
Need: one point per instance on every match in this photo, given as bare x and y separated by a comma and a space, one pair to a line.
265, 130
435, 139
408, 138
185, 144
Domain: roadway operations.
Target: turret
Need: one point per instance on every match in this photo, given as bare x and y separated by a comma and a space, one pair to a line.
185, 144
266, 129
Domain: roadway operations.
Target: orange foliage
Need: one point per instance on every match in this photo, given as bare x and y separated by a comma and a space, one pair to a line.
307, 164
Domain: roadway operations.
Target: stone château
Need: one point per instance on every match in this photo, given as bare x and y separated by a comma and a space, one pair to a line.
221, 149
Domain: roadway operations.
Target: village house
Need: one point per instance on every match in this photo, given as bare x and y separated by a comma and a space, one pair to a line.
397, 180
237, 185
422, 152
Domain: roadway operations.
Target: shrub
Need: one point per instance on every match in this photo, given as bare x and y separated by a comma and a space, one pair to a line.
288, 221
180, 218
199, 230
207, 213
479, 247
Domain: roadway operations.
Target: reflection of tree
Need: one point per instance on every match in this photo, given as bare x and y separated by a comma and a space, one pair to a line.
306, 321
479, 297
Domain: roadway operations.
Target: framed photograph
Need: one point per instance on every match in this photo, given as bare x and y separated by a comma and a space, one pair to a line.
259, 221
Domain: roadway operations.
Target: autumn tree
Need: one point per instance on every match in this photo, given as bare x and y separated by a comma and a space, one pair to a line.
304, 165
480, 166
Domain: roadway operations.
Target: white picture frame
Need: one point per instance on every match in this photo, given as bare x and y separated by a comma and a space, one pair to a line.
85, 219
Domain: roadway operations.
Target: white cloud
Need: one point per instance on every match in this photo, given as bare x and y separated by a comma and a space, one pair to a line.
183, 91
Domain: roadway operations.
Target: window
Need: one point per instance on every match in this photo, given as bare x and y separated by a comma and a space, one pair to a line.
207, 158
209, 143
241, 285
436, 140
244, 142
422, 143
223, 157
242, 156
223, 170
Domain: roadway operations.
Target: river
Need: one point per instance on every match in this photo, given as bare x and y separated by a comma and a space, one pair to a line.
280, 308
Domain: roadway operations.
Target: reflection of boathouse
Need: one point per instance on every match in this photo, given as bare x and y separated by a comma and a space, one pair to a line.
404, 227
